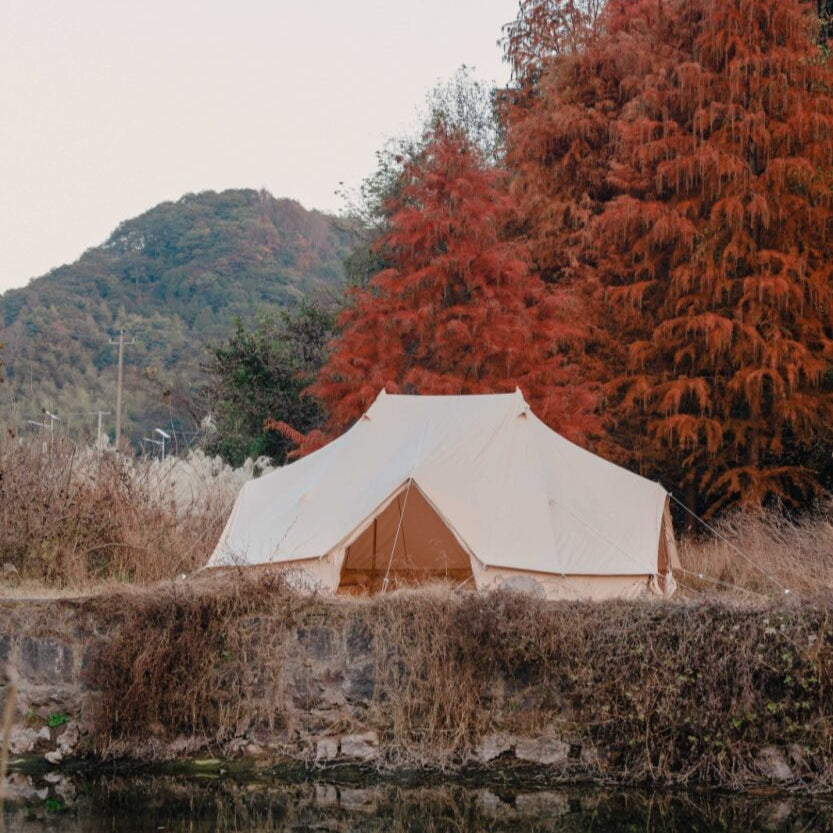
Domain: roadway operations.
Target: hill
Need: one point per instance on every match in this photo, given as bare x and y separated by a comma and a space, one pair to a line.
175, 278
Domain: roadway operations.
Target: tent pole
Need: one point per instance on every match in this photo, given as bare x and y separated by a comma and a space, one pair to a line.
402, 520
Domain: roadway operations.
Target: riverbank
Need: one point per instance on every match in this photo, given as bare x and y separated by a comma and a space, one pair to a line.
244, 673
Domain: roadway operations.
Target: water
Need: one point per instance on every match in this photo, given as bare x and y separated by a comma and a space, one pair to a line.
59, 804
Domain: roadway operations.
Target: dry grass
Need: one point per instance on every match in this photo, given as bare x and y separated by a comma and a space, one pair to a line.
762, 552
70, 518
666, 693
190, 658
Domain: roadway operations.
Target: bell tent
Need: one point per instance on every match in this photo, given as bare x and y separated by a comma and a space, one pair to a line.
471, 489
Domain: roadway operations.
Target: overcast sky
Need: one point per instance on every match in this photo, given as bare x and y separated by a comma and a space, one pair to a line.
108, 107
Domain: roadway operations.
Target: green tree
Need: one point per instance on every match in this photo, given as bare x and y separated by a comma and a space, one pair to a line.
825, 19
257, 377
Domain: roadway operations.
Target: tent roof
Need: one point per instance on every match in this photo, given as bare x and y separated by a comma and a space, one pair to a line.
515, 493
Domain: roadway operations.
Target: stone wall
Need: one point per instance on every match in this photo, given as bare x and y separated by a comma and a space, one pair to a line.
323, 696
316, 704
46, 648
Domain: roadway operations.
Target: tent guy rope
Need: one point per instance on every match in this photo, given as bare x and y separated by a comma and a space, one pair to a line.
718, 534
386, 579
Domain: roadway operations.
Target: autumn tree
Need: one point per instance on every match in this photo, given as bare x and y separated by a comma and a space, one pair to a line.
681, 164
457, 311
544, 29
462, 103
825, 8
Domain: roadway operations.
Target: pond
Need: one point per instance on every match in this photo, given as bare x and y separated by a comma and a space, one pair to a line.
62, 804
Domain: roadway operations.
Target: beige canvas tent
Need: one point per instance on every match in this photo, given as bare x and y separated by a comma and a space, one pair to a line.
470, 489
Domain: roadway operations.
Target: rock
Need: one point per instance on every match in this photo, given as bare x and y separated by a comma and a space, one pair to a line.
774, 766
589, 756
303, 690
547, 751
68, 739
493, 746
320, 642
20, 787
359, 640
45, 734
182, 745
776, 816
326, 795
326, 749
363, 747
235, 747
358, 800
549, 805
45, 661
66, 789
253, 750
359, 682
490, 803
54, 757
23, 740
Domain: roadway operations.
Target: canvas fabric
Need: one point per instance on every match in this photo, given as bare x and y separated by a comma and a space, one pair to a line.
473, 487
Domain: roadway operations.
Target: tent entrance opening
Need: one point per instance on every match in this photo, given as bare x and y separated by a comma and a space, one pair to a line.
407, 542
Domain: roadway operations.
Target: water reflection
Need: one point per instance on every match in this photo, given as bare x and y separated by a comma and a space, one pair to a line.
65, 805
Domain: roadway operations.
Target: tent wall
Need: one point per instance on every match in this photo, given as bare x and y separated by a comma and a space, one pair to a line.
562, 587
668, 558
315, 573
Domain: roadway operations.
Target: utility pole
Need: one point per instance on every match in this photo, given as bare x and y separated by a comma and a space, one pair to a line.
50, 425
120, 383
53, 418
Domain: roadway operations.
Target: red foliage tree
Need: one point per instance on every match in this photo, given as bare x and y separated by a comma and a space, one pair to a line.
545, 28
681, 164
458, 310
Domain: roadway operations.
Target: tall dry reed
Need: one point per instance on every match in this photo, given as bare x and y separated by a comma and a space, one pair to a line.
761, 552
71, 517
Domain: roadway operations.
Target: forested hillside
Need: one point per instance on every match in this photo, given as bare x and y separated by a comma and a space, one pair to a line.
175, 278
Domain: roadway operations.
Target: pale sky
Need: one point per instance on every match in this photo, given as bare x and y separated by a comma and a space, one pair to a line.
108, 107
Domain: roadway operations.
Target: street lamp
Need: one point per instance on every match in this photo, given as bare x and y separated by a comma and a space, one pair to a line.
53, 418
164, 436
154, 442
